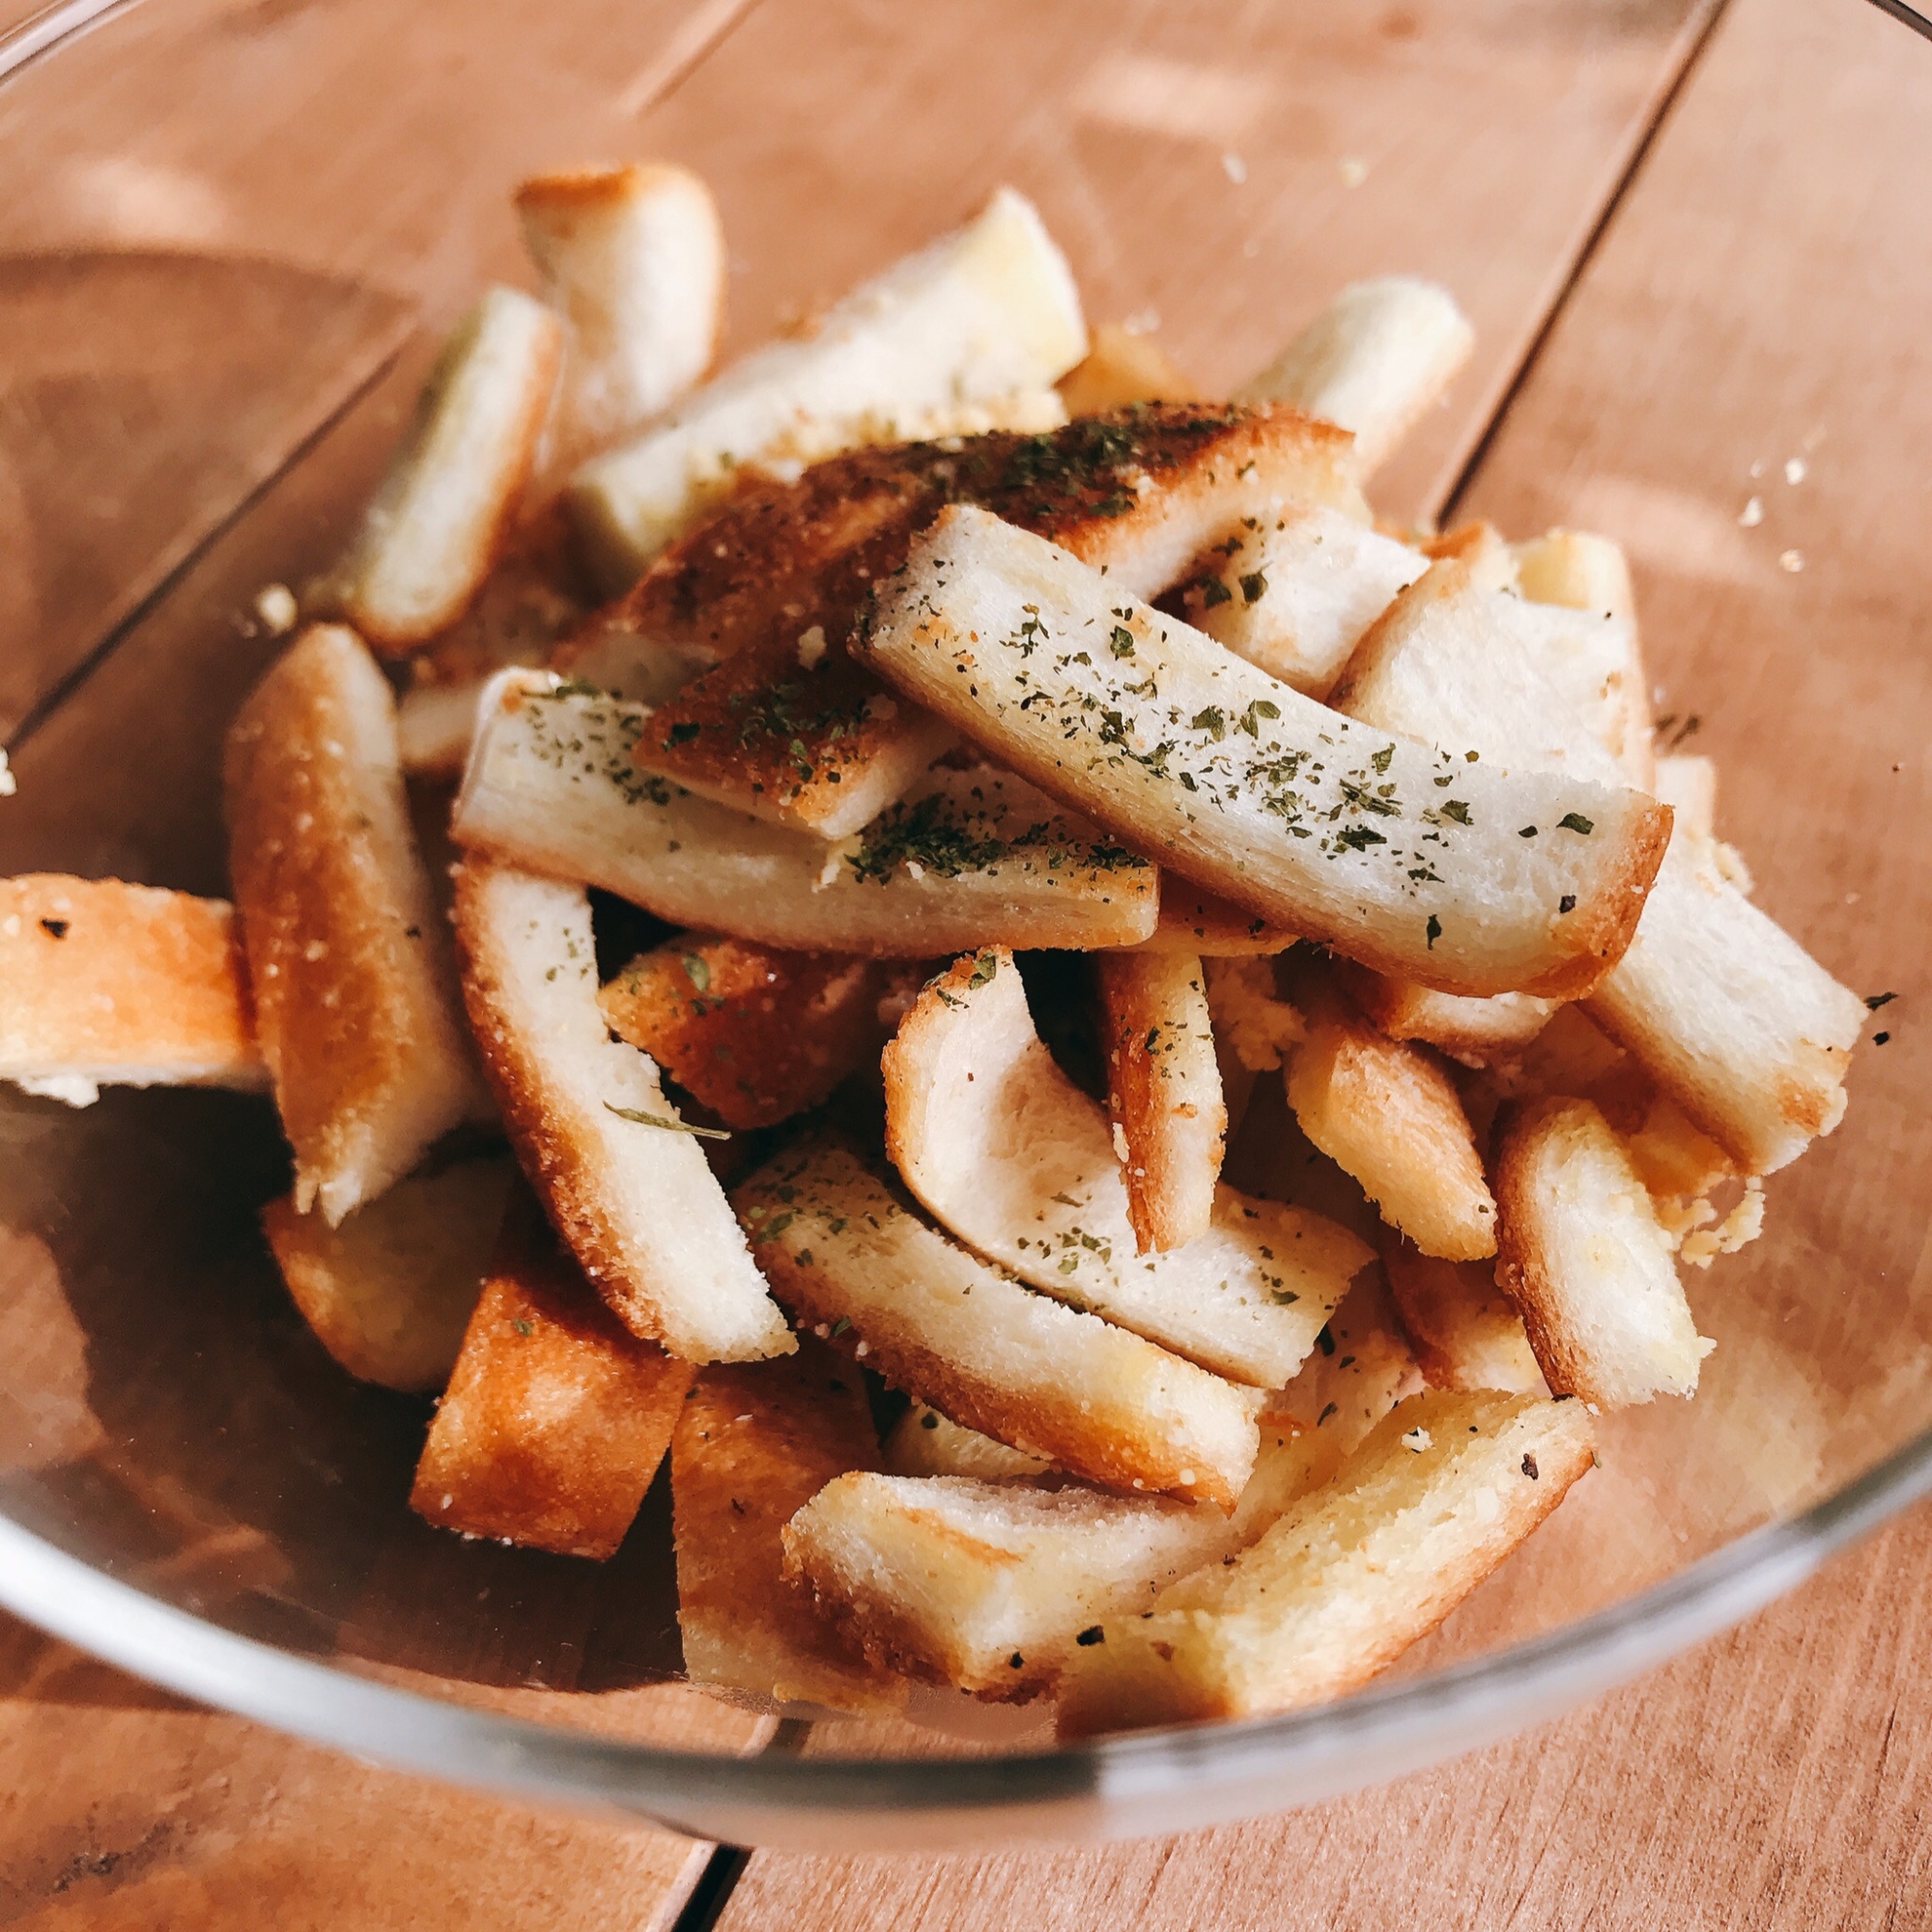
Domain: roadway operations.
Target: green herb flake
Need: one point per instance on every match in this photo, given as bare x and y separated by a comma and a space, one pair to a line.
1434, 931
985, 968
522, 1324
1253, 587
670, 1126
697, 971
1874, 1001
1120, 640
1574, 821
839, 1327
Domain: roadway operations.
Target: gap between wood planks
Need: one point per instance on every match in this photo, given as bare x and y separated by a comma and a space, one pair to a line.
1667, 102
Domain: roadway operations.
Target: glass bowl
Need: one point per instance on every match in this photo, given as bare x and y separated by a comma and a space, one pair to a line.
228, 219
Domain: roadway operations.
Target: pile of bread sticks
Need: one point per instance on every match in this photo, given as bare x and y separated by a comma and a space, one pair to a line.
793, 725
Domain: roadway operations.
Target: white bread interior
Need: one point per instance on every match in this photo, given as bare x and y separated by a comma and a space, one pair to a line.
443, 513
103, 983
629, 1190
1373, 361
1586, 1261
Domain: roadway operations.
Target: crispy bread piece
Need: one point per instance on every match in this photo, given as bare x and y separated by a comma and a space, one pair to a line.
1204, 925
108, 985
1731, 1017
1478, 1033
1577, 569
1373, 361
1387, 1113
1360, 1369
556, 1417
1163, 1092
754, 1033
1689, 785
1018, 1162
444, 511
1481, 546
789, 726
355, 1002
937, 1321
986, 1586
751, 1447
627, 1187
925, 1443
957, 337
975, 856
1349, 1577
1582, 1255
389, 1292
1296, 592
1464, 1330
1182, 748
632, 257
1123, 366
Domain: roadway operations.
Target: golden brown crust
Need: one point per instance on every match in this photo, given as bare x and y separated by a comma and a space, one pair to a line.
777, 581
355, 1002
102, 981
1197, 921
752, 1446
1605, 925
556, 1417
1163, 1092
1478, 1033
754, 1033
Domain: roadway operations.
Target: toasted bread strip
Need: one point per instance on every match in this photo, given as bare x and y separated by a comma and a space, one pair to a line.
1464, 1331
632, 257
1373, 361
1361, 1368
979, 856
1731, 1017
755, 1033
1582, 1255
1478, 1033
1349, 1577
1182, 748
1295, 593
1123, 366
1163, 1092
355, 1003
948, 1328
942, 343
1386, 1113
982, 1584
792, 729
629, 1190
751, 1447
1689, 785
1202, 926
389, 1292
556, 1417
925, 1443
1018, 1162
444, 511
108, 985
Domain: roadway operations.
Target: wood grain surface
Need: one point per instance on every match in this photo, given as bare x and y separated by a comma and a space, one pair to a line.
1759, 294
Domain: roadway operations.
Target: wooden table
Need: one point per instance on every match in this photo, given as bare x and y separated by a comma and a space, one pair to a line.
1692, 237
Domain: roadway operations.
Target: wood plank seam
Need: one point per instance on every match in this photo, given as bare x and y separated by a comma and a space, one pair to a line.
694, 43
1667, 98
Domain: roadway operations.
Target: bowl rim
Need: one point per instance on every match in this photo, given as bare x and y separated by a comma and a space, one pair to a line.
1143, 1781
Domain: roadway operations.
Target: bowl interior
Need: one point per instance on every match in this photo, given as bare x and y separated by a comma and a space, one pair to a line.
164, 1414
